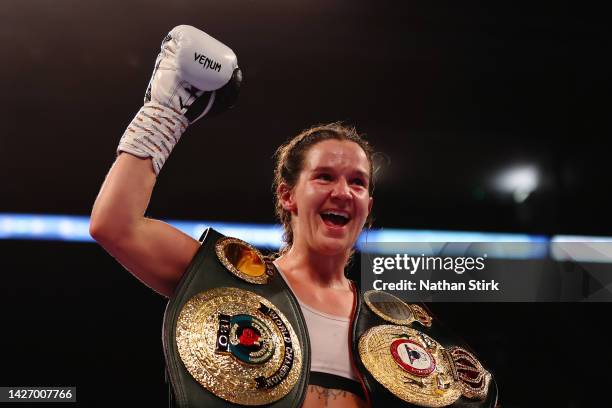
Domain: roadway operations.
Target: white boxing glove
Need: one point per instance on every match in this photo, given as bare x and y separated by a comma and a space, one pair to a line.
194, 75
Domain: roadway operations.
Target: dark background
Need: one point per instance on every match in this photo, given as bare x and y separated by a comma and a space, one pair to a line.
452, 93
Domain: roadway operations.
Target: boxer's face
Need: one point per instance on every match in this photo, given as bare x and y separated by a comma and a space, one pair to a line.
330, 202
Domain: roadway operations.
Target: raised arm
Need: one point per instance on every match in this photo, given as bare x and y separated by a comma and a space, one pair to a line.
194, 75
153, 251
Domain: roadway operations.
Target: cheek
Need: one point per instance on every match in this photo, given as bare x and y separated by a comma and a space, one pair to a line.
364, 204
307, 201
315, 195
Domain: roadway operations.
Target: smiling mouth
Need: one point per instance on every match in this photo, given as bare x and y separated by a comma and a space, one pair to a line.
335, 219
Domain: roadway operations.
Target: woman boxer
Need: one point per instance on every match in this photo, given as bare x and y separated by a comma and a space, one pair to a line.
323, 184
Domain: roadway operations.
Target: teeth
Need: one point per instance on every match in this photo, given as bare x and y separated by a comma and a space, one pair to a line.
339, 214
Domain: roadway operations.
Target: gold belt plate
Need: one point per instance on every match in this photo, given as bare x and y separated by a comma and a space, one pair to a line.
410, 364
237, 345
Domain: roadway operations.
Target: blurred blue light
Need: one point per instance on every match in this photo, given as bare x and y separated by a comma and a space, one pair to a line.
45, 227
454, 243
581, 249
76, 229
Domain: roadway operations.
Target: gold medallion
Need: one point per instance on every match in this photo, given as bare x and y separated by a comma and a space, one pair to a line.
410, 364
243, 260
388, 307
238, 346
395, 310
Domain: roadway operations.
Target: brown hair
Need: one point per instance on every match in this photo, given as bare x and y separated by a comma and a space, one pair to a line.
289, 162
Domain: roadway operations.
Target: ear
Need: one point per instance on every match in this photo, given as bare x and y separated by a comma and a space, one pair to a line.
285, 197
370, 204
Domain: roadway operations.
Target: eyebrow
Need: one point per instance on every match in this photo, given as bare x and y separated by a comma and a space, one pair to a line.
361, 173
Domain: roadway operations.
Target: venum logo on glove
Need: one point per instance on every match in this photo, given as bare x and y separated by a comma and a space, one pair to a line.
207, 63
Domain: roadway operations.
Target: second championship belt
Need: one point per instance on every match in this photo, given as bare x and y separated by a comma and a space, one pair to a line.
233, 332
408, 360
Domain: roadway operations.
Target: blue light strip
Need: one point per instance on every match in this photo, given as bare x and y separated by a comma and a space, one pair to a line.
581, 249
398, 235
76, 229
45, 227
495, 245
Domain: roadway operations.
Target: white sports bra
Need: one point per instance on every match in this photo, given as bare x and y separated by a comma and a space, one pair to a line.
329, 340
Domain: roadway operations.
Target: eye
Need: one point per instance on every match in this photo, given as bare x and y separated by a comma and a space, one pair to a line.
358, 181
324, 176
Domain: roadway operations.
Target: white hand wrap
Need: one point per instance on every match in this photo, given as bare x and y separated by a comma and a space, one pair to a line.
153, 132
189, 72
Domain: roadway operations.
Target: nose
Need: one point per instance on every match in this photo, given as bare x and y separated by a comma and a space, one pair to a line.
341, 190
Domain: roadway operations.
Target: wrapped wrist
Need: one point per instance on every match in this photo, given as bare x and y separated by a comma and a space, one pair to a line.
153, 132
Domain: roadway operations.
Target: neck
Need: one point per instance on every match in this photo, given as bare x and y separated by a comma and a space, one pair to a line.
320, 270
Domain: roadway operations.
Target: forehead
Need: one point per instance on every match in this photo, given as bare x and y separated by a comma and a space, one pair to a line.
341, 154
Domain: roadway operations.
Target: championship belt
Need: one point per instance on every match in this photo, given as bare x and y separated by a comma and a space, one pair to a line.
407, 360
233, 332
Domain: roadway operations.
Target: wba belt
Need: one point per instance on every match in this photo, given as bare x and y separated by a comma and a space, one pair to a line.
233, 332
407, 359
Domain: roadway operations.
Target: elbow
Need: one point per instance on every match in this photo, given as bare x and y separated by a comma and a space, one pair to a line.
105, 232
99, 230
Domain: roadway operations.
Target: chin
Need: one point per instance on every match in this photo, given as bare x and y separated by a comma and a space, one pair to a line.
334, 246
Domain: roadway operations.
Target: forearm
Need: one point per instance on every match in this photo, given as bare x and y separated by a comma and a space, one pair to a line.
123, 197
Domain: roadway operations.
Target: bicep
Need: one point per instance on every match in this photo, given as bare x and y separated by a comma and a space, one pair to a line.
156, 253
